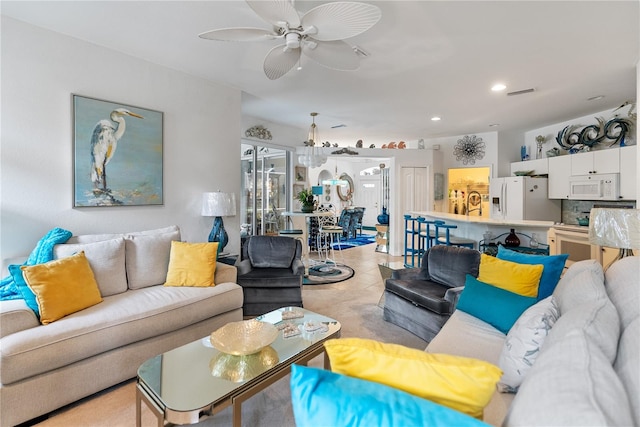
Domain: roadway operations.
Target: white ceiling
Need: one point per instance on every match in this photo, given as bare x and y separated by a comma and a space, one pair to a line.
426, 58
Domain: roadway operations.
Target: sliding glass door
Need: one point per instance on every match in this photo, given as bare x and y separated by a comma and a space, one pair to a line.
264, 189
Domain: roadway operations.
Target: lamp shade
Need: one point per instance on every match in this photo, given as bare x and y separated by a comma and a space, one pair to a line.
317, 190
218, 204
615, 228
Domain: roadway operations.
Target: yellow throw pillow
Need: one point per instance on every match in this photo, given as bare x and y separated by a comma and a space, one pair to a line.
192, 264
62, 286
521, 279
460, 383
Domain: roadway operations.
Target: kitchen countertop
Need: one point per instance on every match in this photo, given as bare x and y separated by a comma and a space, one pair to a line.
572, 227
486, 221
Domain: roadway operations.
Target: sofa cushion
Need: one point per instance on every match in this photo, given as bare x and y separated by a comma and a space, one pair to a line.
622, 286
585, 305
117, 321
571, 293
272, 253
460, 383
107, 261
571, 384
192, 264
553, 267
147, 257
62, 286
91, 238
449, 265
323, 398
523, 343
522, 279
427, 294
496, 306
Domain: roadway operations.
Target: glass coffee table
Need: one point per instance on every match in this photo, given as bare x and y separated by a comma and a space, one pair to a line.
192, 382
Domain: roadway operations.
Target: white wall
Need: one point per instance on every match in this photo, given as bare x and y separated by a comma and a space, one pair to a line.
40, 71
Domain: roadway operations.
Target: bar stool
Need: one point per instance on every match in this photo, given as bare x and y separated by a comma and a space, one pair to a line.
426, 236
448, 239
294, 233
328, 230
411, 234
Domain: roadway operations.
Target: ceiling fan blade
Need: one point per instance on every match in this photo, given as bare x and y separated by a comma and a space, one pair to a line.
276, 12
239, 34
279, 61
333, 54
341, 20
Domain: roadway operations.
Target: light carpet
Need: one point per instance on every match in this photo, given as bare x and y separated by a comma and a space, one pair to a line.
354, 302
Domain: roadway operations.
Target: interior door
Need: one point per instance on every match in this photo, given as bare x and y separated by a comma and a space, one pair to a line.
368, 196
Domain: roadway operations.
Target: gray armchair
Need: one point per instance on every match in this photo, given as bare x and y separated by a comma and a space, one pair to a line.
270, 273
421, 300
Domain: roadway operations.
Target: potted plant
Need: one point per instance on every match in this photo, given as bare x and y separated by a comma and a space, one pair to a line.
306, 199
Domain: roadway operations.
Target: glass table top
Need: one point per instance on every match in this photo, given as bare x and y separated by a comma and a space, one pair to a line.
196, 375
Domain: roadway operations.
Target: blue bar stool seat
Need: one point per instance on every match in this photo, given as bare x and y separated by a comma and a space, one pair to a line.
448, 239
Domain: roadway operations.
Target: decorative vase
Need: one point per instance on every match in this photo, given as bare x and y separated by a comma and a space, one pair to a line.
512, 240
307, 208
383, 218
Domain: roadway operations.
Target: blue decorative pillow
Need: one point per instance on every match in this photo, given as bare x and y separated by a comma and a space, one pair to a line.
25, 290
324, 398
491, 304
553, 266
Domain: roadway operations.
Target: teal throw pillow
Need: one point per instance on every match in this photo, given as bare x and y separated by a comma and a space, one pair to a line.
25, 290
553, 266
324, 398
496, 306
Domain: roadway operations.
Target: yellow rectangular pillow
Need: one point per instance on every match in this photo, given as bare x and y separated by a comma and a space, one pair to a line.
460, 383
192, 264
62, 286
521, 279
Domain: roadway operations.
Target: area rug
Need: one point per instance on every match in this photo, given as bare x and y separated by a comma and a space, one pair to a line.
322, 274
361, 240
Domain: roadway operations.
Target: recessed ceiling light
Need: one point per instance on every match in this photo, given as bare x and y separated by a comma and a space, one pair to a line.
498, 87
595, 98
435, 119
492, 125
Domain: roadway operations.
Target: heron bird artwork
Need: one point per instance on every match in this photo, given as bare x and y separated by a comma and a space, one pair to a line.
104, 143
118, 151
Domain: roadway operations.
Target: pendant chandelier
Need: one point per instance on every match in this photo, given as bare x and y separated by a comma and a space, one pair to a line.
312, 156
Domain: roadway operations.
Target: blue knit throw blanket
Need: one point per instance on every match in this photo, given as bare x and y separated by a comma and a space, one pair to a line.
43, 252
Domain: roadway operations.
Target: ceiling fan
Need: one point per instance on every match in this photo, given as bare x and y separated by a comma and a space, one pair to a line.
319, 33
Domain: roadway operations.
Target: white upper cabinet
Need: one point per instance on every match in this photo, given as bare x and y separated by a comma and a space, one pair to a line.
592, 162
537, 166
628, 172
559, 173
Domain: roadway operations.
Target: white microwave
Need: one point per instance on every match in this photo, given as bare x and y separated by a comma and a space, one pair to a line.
603, 186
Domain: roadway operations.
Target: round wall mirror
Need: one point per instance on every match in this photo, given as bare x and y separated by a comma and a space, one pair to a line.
345, 193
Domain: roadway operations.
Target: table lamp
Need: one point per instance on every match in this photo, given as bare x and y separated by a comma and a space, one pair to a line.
615, 228
218, 204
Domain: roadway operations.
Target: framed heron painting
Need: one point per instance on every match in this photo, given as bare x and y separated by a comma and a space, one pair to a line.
117, 154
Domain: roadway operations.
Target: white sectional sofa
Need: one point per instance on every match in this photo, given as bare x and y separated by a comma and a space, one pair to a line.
587, 372
44, 367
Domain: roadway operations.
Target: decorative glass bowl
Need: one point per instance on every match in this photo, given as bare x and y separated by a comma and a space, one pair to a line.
242, 368
245, 337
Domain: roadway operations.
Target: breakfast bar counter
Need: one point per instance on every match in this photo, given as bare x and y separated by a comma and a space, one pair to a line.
475, 227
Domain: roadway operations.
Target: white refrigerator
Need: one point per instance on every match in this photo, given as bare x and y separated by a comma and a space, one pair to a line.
522, 198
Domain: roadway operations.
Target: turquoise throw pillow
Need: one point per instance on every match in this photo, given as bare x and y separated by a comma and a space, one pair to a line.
491, 304
25, 290
324, 398
553, 266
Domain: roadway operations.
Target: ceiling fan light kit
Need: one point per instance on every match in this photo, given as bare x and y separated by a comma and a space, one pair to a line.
319, 34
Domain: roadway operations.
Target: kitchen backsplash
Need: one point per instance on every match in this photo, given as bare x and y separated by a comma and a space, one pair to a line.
574, 209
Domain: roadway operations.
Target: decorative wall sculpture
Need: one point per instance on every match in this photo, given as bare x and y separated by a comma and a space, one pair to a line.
469, 149
259, 132
614, 130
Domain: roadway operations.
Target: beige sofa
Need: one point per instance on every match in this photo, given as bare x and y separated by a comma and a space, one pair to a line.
587, 371
44, 367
